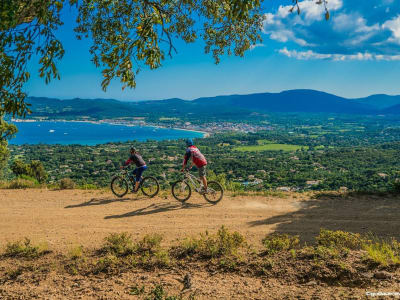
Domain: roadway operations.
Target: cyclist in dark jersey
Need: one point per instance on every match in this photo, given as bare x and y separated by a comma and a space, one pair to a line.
137, 159
198, 160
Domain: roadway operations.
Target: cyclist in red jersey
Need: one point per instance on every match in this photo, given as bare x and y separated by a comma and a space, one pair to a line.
198, 160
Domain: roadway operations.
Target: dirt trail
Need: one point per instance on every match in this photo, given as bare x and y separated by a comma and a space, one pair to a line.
64, 218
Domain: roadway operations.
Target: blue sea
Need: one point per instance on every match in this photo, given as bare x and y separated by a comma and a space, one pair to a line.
84, 133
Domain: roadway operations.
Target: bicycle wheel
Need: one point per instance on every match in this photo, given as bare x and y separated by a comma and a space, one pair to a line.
181, 191
215, 192
119, 186
150, 186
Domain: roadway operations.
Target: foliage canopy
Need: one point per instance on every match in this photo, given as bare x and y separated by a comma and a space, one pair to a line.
126, 36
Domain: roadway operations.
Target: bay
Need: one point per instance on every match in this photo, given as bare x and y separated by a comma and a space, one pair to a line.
85, 133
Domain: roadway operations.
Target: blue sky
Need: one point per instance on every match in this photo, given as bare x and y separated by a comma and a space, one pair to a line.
355, 54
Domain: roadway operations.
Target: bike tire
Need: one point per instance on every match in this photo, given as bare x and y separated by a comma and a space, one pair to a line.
123, 184
178, 197
215, 187
153, 184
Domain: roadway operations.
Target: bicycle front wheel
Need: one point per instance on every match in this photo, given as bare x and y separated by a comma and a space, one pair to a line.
119, 186
215, 192
150, 186
181, 191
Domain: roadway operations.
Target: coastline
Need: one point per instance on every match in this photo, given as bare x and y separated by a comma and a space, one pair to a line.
138, 124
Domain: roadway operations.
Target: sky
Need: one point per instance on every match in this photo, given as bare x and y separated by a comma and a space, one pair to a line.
354, 54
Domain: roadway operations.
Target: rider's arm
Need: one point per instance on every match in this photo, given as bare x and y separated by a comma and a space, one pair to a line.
185, 159
127, 162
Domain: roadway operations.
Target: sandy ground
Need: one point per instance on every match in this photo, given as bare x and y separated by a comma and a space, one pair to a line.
74, 217
71, 217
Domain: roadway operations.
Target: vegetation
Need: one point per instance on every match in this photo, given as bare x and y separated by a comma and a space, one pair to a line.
25, 249
338, 258
35, 170
7, 131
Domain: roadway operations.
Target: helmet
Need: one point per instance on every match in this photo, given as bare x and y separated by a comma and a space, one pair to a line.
133, 149
189, 142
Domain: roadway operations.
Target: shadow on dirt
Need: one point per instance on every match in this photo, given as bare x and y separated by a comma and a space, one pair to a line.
158, 208
104, 201
376, 214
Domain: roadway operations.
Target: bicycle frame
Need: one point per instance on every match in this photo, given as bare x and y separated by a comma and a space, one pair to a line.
193, 180
125, 174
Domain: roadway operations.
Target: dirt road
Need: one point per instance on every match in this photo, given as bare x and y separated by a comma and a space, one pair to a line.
64, 218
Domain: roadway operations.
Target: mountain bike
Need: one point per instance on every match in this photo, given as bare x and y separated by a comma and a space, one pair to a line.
122, 182
182, 190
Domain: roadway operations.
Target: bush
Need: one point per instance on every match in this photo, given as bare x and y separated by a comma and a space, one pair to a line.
222, 244
66, 184
339, 239
275, 243
150, 243
119, 244
25, 249
21, 183
382, 252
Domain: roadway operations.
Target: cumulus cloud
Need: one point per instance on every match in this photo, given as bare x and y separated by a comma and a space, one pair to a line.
357, 30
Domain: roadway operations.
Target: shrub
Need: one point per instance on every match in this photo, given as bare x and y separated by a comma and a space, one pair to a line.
339, 239
222, 244
25, 249
76, 252
106, 264
275, 243
382, 252
119, 244
66, 184
150, 243
21, 183
396, 187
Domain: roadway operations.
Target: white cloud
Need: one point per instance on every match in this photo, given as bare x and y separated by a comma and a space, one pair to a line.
358, 30
308, 55
394, 26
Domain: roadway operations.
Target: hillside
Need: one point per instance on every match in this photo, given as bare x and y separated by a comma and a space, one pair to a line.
66, 255
233, 106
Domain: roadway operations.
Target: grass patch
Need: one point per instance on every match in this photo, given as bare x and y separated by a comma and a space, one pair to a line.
382, 252
119, 244
339, 239
275, 243
25, 249
223, 248
270, 147
120, 248
20, 183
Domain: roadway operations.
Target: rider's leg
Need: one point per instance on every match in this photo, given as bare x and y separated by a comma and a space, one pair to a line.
204, 180
202, 175
139, 173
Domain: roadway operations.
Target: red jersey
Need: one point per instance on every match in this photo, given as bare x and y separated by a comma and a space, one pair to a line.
198, 159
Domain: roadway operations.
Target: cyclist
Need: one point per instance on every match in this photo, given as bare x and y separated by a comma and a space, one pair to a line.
137, 159
198, 160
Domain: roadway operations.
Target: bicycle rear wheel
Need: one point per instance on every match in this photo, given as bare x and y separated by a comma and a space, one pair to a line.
119, 186
215, 192
150, 186
181, 191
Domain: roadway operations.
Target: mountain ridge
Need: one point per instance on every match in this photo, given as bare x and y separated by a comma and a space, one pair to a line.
291, 101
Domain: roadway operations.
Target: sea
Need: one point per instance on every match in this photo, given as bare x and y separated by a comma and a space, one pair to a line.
86, 133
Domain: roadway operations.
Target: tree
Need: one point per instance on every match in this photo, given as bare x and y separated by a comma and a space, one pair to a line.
37, 171
20, 168
7, 131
